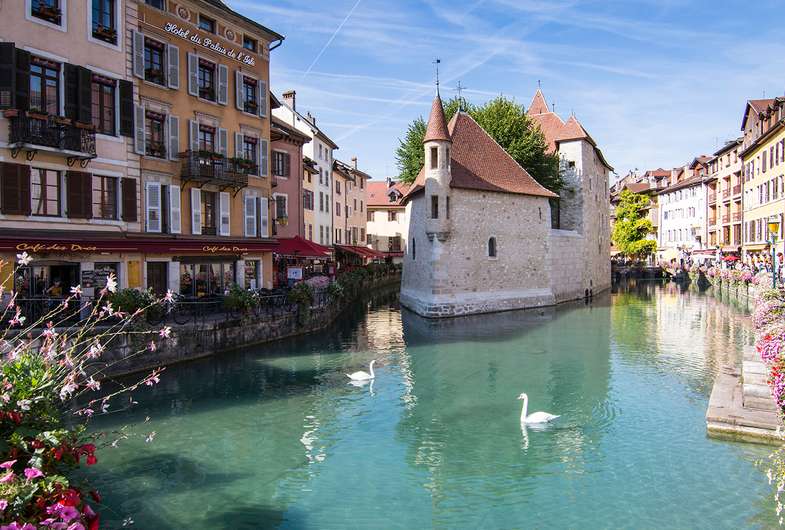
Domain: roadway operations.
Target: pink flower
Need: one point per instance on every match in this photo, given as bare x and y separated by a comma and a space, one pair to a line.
152, 346
8, 477
76, 291
3, 504
95, 350
169, 298
68, 513
76, 526
33, 472
67, 390
8, 464
165, 332
92, 384
24, 258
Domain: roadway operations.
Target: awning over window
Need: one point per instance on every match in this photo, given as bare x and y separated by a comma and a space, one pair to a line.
363, 252
298, 247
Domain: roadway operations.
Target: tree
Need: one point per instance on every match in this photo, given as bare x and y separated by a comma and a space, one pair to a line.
507, 123
632, 227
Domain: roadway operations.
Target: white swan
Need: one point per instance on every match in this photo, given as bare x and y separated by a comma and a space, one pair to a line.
535, 417
363, 376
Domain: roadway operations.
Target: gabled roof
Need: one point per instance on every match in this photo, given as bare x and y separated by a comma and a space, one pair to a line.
538, 105
437, 123
279, 130
573, 130
728, 146
758, 106
479, 163
550, 124
379, 193
700, 160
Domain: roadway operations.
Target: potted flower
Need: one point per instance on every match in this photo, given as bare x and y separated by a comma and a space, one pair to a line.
11, 113
104, 33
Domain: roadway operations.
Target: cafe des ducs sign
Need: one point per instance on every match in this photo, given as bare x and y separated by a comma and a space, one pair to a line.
209, 43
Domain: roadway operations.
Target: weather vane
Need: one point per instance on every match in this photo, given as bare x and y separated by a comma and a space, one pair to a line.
459, 89
437, 62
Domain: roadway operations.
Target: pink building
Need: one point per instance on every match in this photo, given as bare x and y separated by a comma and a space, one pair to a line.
287, 169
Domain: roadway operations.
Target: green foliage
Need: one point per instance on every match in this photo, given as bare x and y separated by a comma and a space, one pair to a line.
507, 123
632, 228
335, 291
301, 294
239, 299
131, 300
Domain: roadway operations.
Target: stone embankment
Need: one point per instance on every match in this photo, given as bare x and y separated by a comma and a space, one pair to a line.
225, 332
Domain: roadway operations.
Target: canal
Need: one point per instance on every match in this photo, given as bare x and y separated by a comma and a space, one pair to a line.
274, 437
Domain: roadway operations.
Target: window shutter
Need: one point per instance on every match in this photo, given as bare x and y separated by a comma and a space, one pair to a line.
129, 200
224, 207
139, 136
153, 206
239, 93
223, 142
127, 108
175, 221
7, 74
71, 90
79, 194
264, 214
262, 87
223, 84
193, 69
238, 145
173, 66
138, 51
250, 215
15, 188
196, 211
193, 135
85, 95
286, 164
263, 156
174, 137
22, 80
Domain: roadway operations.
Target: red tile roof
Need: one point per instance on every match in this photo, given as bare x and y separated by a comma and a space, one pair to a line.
551, 125
573, 130
378, 193
760, 105
538, 104
437, 123
479, 163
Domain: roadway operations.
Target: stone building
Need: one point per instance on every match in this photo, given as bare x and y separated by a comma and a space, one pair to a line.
480, 236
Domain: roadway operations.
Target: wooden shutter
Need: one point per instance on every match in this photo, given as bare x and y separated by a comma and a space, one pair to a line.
138, 53
174, 137
264, 217
7, 74
173, 66
223, 142
193, 70
263, 157
224, 207
78, 187
249, 212
175, 221
196, 211
139, 133
193, 135
22, 80
85, 95
129, 200
15, 182
223, 84
238, 145
286, 164
239, 93
126, 108
153, 206
262, 87
71, 89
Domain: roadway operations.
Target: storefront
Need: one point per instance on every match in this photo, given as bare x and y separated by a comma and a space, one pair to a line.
349, 257
299, 259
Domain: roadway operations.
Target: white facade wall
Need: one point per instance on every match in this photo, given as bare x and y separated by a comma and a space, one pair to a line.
682, 219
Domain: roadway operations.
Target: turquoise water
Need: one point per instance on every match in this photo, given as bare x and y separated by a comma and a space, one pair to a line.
274, 437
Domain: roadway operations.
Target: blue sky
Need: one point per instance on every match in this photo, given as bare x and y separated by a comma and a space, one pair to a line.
655, 82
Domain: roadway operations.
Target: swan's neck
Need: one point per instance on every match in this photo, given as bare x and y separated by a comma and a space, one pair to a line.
371, 368
525, 408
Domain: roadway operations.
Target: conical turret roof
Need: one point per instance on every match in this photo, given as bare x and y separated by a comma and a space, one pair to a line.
437, 123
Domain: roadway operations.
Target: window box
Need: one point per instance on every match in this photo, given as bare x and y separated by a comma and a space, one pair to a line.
37, 116
154, 75
207, 93
251, 107
156, 149
85, 126
48, 13
210, 155
283, 221
244, 165
105, 34
61, 120
11, 113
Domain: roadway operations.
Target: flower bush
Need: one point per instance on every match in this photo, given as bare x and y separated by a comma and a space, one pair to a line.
50, 388
319, 282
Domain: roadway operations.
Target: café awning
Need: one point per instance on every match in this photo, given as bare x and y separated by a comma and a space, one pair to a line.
298, 247
363, 252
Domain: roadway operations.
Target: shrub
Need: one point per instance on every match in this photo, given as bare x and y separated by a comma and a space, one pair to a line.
131, 300
239, 299
335, 291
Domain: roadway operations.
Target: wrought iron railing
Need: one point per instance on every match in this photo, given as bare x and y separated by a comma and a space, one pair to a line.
737, 189
213, 168
31, 130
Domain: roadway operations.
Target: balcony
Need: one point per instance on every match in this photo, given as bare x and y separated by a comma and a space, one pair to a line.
737, 190
725, 219
736, 216
712, 197
726, 193
712, 221
205, 167
32, 132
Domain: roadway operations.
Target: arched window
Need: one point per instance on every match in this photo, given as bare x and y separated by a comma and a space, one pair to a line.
414, 249
492, 247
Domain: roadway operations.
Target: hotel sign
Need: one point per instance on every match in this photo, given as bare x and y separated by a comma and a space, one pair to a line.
209, 43
55, 247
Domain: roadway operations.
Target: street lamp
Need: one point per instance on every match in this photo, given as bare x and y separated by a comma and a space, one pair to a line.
774, 228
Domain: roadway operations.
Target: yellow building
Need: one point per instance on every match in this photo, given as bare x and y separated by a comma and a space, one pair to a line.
724, 199
763, 159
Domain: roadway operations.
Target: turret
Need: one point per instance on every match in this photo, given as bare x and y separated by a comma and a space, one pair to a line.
437, 145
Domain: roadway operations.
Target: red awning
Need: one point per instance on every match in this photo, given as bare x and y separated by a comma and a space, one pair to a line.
299, 247
85, 243
363, 252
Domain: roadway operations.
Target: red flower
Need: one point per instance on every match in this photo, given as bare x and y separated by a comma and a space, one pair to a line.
93, 525
37, 444
95, 495
91, 459
70, 498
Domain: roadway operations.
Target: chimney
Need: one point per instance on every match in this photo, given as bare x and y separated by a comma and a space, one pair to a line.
290, 98
389, 182
354, 162
310, 118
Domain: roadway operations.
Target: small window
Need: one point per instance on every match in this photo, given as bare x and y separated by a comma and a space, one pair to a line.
249, 44
154, 135
414, 249
492, 247
250, 103
206, 80
104, 197
447, 208
434, 206
206, 23
48, 10
158, 4
154, 61
434, 157
104, 21
104, 105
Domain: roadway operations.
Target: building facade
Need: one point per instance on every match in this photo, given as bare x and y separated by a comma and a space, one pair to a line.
320, 151
310, 176
287, 171
349, 217
682, 210
69, 179
724, 200
386, 218
763, 160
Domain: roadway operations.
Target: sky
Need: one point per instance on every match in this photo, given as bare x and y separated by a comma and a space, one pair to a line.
655, 82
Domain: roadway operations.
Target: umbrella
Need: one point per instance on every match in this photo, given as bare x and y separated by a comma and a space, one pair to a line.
730, 258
